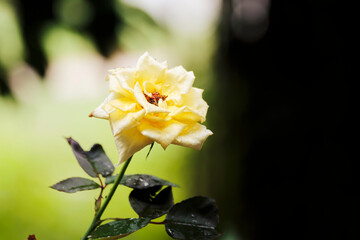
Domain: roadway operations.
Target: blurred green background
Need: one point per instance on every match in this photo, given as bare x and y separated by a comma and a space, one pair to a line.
53, 60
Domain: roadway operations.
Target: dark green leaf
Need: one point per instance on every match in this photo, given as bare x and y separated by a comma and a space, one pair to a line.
75, 184
119, 228
140, 181
194, 218
151, 205
100, 161
81, 157
94, 161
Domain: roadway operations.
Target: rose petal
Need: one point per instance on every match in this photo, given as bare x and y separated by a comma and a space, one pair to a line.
149, 108
163, 133
186, 114
177, 82
157, 117
149, 88
148, 69
121, 121
193, 136
129, 142
193, 99
163, 104
123, 104
125, 77
104, 109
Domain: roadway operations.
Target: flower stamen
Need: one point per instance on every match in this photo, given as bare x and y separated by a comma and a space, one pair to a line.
155, 98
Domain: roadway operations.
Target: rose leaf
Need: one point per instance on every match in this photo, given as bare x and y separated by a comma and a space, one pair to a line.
93, 162
193, 218
119, 228
75, 184
140, 181
100, 161
151, 205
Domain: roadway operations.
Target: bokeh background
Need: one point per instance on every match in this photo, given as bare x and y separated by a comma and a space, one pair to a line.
278, 76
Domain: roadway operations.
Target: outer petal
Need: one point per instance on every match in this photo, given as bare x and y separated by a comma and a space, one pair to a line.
195, 102
123, 104
104, 109
149, 108
162, 133
121, 121
177, 82
148, 69
129, 142
193, 136
186, 114
125, 78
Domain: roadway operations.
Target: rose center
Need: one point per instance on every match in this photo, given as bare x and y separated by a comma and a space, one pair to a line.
154, 98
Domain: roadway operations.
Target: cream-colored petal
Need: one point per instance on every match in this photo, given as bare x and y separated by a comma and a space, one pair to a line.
163, 104
177, 82
193, 99
162, 133
129, 142
121, 121
148, 69
104, 109
116, 87
125, 77
114, 84
149, 88
157, 117
186, 114
193, 136
123, 104
149, 108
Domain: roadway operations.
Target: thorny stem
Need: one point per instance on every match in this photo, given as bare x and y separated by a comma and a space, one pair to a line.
98, 200
101, 183
96, 221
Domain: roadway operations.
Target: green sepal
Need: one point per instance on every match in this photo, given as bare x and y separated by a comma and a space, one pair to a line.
151, 147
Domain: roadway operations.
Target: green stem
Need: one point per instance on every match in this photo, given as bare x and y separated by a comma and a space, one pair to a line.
96, 221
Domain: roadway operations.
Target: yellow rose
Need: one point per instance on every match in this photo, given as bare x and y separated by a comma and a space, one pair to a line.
153, 103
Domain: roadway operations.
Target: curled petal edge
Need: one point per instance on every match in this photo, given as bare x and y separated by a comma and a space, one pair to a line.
193, 136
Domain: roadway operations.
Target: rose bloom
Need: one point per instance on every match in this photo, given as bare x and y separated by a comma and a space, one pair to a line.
153, 103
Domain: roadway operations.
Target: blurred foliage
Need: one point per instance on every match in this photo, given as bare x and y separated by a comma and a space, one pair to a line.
55, 30
59, 41
11, 44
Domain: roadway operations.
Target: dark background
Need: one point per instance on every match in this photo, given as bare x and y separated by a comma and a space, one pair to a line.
286, 103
